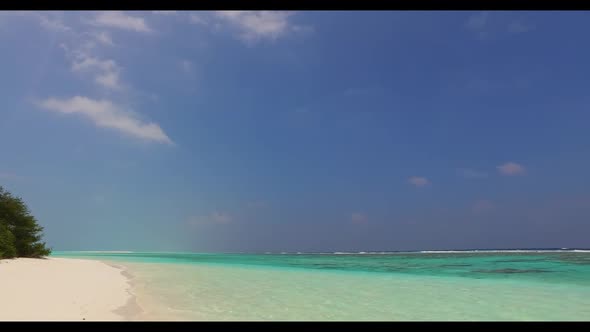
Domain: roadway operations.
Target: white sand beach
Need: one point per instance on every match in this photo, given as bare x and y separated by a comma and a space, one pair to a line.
63, 290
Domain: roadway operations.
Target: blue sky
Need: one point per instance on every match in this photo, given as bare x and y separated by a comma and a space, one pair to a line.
298, 131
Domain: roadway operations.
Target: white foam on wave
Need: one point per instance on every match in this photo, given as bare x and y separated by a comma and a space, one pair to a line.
362, 253
499, 251
106, 252
475, 251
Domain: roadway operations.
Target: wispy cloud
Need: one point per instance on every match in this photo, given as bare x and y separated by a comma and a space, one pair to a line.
187, 66
359, 218
120, 20
250, 26
103, 113
478, 21
511, 168
10, 176
54, 24
104, 38
517, 26
198, 19
481, 25
418, 181
469, 173
49, 20
215, 218
106, 72
164, 12
482, 206
256, 25
109, 80
478, 24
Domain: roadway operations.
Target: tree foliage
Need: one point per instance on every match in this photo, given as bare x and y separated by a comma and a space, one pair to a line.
20, 234
7, 249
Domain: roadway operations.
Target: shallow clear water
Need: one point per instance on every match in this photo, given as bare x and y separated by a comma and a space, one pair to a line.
400, 286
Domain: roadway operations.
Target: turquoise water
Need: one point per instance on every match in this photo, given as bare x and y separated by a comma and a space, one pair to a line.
399, 286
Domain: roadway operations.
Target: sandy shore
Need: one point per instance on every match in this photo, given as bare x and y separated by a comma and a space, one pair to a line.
63, 290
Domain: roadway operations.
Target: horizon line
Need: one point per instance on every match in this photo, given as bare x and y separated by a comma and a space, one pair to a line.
546, 249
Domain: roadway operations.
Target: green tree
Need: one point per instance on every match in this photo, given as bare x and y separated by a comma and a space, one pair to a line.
7, 249
18, 221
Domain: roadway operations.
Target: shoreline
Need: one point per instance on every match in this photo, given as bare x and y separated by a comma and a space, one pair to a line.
120, 290
131, 308
65, 289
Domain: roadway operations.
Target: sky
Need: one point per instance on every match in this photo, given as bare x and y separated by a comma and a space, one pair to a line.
298, 131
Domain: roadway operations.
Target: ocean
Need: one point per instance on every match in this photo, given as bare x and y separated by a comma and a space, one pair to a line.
485, 285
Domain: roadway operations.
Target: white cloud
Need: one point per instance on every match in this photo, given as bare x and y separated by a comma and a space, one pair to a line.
104, 38
471, 173
106, 71
418, 181
198, 19
47, 21
217, 218
255, 25
359, 218
519, 27
511, 168
120, 20
53, 24
103, 113
480, 24
250, 26
109, 80
88, 62
164, 12
482, 206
